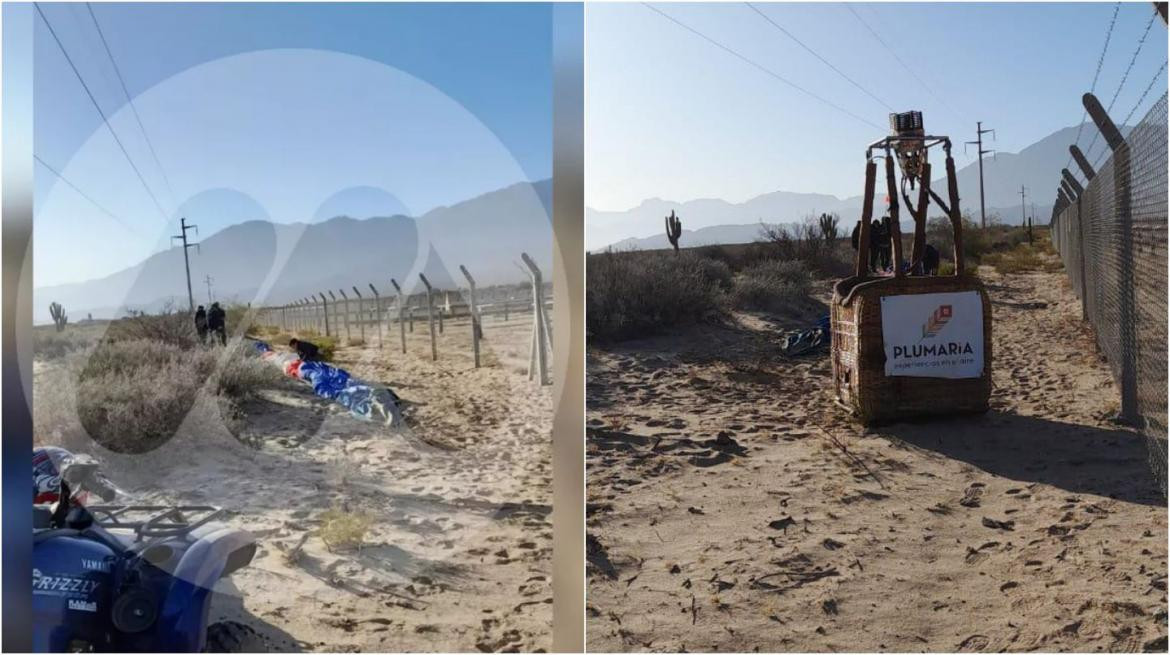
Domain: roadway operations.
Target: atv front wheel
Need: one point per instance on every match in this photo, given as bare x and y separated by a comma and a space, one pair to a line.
233, 637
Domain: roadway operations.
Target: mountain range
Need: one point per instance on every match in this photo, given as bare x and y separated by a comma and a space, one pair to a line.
710, 221
272, 263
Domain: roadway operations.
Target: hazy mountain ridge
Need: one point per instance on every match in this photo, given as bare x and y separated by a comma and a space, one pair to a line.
1037, 167
486, 233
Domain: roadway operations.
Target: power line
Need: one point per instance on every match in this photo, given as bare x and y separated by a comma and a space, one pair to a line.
99, 109
759, 66
1093, 87
130, 102
80, 192
814, 53
899, 60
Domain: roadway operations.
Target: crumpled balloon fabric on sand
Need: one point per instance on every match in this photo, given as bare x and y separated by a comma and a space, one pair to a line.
362, 400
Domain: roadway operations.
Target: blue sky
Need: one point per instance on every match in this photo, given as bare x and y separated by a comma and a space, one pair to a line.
670, 115
287, 112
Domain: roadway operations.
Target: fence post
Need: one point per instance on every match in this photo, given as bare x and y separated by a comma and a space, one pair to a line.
345, 313
430, 316
360, 314
1127, 327
401, 326
471, 309
377, 312
1083, 163
336, 323
539, 352
325, 312
445, 307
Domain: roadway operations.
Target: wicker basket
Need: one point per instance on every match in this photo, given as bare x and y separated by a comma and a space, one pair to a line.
860, 376
859, 358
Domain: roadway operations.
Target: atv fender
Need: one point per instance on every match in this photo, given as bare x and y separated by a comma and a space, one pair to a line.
217, 552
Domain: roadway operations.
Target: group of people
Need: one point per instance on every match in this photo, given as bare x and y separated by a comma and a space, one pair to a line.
880, 259
881, 250
211, 323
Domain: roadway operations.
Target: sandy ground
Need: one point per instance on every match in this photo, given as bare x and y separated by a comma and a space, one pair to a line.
732, 506
458, 557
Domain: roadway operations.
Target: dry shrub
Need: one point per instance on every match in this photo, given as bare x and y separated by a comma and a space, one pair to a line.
773, 286
804, 243
132, 395
638, 294
356, 341
343, 529
168, 327
1021, 259
326, 346
50, 344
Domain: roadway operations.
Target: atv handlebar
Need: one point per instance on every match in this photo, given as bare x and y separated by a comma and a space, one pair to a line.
84, 475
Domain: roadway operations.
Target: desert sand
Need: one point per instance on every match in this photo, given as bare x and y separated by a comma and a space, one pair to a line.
732, 506
458, 554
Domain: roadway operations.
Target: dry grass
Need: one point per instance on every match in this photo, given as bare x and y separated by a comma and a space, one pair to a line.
1021, 259
344, 529
773, 286
637, 294
133, 395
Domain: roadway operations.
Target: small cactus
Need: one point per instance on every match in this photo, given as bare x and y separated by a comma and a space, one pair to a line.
673, 229
828, 225
58, 314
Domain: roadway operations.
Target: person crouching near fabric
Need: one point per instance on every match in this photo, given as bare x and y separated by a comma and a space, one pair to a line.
307, 352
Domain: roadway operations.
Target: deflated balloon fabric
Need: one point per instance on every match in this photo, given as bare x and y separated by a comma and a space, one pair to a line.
328, 381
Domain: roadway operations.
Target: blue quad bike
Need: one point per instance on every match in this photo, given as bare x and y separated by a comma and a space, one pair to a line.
131, 578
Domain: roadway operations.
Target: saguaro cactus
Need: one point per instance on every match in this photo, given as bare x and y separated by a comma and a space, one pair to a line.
58, 314
673, 229
828, 225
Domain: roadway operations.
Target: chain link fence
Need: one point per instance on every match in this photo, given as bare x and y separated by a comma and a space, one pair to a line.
1112, 240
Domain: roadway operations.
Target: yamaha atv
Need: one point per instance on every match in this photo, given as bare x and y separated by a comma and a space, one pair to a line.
131, 578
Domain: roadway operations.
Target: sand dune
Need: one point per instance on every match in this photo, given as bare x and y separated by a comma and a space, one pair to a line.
734, 507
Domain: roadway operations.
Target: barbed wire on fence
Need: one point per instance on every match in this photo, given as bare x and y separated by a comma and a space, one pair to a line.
1096, 76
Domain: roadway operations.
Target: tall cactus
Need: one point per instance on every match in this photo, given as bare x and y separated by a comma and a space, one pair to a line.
58, 314
673, 229
828, 224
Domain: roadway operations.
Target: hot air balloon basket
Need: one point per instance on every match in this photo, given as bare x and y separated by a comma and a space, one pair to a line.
863, 383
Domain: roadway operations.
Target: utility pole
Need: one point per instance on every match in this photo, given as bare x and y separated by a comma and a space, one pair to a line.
1023, 210
979, 132
208, 279
186, 259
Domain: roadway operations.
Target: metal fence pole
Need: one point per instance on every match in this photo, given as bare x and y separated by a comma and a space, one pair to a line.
430, 316
401, 309
471, 309
325, 312
345, 314
377, 312
539, 352
1126, 315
